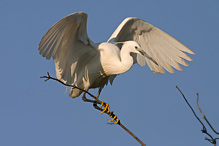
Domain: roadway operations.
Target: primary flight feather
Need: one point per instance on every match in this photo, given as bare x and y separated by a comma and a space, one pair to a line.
81, 62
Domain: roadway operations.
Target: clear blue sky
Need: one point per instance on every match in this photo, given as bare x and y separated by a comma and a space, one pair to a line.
35, 113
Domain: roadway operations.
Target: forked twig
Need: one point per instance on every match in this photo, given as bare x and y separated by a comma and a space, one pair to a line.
204, 117
204, 130
192, 109
48, 77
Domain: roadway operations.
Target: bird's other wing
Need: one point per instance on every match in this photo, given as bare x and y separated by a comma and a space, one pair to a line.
69, 45
163, 48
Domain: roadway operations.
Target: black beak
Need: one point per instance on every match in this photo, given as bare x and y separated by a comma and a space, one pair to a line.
147, 56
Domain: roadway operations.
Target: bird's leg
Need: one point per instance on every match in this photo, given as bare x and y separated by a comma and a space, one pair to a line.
106, 108
103, 104
107, 111
87, 100
111, 114
99, 91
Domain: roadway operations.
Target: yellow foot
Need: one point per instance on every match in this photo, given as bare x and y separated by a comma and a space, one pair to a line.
105, 106
106, 109
114, 118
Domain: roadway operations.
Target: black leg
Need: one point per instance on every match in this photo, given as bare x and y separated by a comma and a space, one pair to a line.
97, 107
87, 100
105, 110
98, 93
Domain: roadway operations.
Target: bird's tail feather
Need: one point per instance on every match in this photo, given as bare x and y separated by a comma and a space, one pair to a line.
75, 93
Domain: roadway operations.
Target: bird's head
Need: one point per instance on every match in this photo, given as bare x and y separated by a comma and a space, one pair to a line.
134, 47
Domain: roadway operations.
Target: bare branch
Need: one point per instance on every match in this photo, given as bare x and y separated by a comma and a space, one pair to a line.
204, 130
191, 109
69, 85
204, 117
199, 107
97, 101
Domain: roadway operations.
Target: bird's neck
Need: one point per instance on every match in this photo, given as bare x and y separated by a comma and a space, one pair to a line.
117, 61
126, 61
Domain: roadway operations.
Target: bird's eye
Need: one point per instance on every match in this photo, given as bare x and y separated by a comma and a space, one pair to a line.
136, 47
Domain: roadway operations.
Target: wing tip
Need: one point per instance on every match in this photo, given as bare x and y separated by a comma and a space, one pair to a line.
76, 16
191, 52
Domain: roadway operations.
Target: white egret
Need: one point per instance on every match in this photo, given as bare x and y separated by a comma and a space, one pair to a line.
81, 62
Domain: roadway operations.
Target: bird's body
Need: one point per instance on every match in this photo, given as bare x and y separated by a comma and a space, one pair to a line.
81, 62
100, 67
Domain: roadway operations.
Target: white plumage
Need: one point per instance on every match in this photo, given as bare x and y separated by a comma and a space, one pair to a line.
81, 62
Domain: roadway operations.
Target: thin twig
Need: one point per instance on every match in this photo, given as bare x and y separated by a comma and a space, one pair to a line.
204, 117
191, 108
97, 101
199, 107
204, 130
69, 85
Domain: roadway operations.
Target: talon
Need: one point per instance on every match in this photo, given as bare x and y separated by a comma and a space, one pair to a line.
111, 114
102, 103
112, 119
107, 110
106, 107
116, 122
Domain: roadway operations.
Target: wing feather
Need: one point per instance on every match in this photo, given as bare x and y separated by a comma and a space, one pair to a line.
67, 42
171, 51
168, 56
163, 48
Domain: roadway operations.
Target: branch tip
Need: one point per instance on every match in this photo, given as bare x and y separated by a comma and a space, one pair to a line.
204, 130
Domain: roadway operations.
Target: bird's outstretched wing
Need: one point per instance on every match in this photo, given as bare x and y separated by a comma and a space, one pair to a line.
69, 45
163, 48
